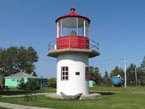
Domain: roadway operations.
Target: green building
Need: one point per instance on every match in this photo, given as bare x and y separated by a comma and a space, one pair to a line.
14, 80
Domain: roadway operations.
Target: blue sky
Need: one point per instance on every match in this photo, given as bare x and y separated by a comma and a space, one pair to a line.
118, 25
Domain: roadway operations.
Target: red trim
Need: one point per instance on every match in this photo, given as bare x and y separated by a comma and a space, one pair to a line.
79, 42
60, 28
73, 14
56, 30
88, 31
67, 74
61, 73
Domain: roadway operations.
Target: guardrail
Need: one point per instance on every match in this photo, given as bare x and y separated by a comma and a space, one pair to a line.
69, 41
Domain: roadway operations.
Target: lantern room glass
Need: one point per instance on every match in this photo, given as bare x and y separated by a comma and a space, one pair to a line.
72, 26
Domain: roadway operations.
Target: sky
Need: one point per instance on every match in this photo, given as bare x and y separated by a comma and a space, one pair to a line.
117, 25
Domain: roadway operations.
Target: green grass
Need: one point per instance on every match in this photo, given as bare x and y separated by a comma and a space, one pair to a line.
118, 89
16, 91
2, 108
116, 101
94, 89
43, 89
122, 99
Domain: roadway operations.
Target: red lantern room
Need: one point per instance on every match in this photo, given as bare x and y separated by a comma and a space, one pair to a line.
72, 31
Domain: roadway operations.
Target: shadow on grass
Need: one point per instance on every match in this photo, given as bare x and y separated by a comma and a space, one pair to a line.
104, 93
12, 92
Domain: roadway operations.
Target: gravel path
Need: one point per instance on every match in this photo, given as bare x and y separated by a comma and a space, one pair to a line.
16, 106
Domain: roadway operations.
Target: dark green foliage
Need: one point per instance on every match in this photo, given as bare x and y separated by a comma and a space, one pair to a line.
117, 71
95, 75
106, 79
52, 82
31, 85
34, 74
14, 59
143, 65
141, 73
140, 77
131, 75
22, 85
29, 88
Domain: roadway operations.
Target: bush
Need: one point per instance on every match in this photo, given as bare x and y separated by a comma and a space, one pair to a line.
52, 82
22, 85
29, 88
32, 85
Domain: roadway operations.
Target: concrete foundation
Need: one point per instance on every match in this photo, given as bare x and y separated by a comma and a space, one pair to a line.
87, 96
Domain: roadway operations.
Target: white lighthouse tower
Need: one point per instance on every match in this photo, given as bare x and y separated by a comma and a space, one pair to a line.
73, 48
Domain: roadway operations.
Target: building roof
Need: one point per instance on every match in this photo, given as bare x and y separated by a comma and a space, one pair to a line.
21, 75
73, 14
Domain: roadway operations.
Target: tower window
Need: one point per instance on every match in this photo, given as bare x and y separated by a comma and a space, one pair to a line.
77, 73
64, 73
87, 73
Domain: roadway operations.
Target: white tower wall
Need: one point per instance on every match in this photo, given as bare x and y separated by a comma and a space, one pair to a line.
76, 62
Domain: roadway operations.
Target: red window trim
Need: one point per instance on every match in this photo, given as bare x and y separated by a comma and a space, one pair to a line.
86, 73
67, 75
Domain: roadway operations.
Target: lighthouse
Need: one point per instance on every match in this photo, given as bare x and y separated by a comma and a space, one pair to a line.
72, 49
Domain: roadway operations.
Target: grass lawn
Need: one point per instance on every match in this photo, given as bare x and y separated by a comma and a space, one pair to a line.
116, 101
122, 99
2, 108
16, 91
132, 89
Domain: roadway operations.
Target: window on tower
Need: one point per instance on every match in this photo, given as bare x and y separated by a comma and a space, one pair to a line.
87, 73
64, 73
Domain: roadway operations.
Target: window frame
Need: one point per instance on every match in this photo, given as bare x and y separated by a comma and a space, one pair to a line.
86, 28
66, 73
87, 73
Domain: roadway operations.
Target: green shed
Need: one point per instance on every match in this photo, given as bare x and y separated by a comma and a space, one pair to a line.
90, 83
14, 80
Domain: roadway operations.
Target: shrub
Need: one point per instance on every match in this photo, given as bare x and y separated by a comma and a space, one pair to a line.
52, 82
32, 85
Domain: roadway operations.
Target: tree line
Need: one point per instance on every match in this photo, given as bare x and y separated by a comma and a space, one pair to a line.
21, 59
135, 75
17, 59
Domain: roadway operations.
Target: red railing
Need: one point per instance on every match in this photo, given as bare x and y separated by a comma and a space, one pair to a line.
73, 42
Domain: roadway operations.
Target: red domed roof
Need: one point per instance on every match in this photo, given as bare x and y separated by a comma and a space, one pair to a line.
73, 14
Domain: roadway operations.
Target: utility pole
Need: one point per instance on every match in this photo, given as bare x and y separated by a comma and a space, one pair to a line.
136, 75
125, 70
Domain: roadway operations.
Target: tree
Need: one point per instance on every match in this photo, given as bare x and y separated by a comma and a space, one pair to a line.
106, 79
95, 75
143, 65
22, 85
26, 58
140, 76
117, 71
131, 74
14, 59
141, 72
34, 74
29, 88
32, 85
